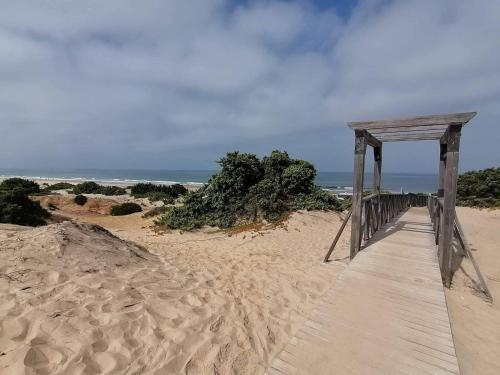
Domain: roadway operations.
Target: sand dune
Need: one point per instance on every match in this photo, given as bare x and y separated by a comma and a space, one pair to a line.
78, 300
476, 322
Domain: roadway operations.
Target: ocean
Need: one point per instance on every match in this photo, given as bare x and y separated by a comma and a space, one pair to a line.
337, 181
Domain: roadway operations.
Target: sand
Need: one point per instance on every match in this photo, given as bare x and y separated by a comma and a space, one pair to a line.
476, 322
198, 303
75, 299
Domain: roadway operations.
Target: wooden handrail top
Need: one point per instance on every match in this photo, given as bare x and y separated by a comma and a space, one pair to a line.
371, 196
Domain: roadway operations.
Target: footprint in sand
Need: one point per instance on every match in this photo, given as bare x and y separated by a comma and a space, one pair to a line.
191, 300
215, 326
54, 277
35, 358
41, 356
15, 329
101, 343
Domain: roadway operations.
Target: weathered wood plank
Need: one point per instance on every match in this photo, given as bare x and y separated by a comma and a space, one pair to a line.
468, 252
357, 193
450, 192
443, 119
410, 137
405, 129
337, 237
371, 140
386, 313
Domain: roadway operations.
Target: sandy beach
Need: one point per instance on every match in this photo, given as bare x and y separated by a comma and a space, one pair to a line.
475, 322
80, 300
197, 303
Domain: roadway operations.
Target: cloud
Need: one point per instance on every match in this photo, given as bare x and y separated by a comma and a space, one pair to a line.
174, 84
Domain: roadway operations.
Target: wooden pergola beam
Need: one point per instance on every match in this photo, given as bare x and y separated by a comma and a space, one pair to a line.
443, 119
410, 137
406, 129
371, 140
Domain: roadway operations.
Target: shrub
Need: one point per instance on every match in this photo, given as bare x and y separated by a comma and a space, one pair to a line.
317, 200
479, 188
19, 184
155, 211
157, 192
248, 190
178, 190
158, 196
125, 209
17, 208
80, 199
90, 187
112, 190
180, 218
60, 186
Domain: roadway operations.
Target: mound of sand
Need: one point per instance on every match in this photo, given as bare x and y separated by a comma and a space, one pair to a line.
70, 301
76, 247
65, 204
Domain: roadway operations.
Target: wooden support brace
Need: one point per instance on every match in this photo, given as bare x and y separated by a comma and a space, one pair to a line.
357, 193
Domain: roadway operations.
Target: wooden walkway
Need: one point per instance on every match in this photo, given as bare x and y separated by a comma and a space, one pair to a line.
386, 314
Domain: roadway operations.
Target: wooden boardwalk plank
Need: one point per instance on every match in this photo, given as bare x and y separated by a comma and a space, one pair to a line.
386, 314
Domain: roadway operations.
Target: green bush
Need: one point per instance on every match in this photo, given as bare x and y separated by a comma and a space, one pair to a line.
90, 187
17, 208
155, 211
158, 196
60, 186
80, 199
112, 190
479, 188
180, 218
317, 200
248, 189
19, 184
157, 192
125, 209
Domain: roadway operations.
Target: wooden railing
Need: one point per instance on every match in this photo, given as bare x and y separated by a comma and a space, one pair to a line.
435, 206
379, 209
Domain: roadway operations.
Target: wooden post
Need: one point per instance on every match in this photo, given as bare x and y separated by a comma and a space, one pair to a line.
377, 177
440, 194
442, 167
357, 191
450, 190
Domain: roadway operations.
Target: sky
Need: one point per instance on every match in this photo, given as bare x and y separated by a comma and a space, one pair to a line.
175, 84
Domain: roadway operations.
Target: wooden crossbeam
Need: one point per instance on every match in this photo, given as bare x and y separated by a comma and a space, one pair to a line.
444, 119
410, 137
371, 140
404, 129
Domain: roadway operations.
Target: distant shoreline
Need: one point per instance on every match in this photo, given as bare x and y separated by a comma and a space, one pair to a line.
336, 182
120, 183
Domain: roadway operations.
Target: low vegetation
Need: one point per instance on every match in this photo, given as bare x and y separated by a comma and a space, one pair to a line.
125, 209
165, 193
155, 211
60, 186
15, 205
90, 187
19, 185
80, 199
479, 188
249, 190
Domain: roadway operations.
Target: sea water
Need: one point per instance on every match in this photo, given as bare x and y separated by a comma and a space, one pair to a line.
336, 181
